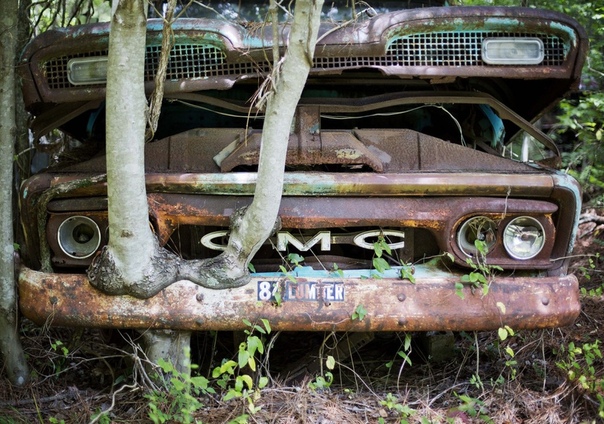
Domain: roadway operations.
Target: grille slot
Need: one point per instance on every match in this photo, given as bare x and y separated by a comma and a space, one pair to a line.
192, 61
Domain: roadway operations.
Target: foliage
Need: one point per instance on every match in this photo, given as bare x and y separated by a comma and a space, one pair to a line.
359, 313
323, 382
585, 161
181, 399
392, 403
379, 248
47, 14
579, 124
475, 408
231, 375
582, 364
481, 274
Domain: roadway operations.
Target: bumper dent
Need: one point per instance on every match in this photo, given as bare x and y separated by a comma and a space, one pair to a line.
392, 304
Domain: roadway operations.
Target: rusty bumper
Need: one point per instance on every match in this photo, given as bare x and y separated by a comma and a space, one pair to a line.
315, 304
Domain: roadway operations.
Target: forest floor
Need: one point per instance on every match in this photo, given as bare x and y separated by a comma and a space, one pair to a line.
546, 376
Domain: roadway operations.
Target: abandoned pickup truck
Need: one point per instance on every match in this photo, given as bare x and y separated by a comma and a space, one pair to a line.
418, 193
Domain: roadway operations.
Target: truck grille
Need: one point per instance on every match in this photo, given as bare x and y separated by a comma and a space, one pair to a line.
460, 48
194, 61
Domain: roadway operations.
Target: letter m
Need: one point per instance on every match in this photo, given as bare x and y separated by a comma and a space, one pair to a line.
284, 237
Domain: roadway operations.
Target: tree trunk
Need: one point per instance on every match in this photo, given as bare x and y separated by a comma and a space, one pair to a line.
10, 345
250, 228
132, 262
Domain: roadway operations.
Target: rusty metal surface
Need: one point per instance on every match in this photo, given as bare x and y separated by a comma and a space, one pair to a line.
358, 46
392, 304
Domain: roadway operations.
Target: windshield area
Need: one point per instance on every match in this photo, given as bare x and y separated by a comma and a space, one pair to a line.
245, 12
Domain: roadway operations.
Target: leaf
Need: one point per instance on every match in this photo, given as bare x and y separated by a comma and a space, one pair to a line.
243, 356
404, 356
247, 380
267, 325
331, 362
295, 259
380, 264
262, 382
200, 382
359, 313
254, 344
501, 307
231, 394
503, 333
166, 366
252, 363
407, 344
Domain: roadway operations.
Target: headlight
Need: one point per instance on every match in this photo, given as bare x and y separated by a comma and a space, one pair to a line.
79, 237
512, 51
476, 228
89, 70
523, 237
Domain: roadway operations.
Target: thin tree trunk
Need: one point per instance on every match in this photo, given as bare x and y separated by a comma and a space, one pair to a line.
251, 227
132, 262
10, 345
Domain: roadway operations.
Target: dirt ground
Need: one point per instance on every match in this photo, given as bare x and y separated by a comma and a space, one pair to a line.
554, 376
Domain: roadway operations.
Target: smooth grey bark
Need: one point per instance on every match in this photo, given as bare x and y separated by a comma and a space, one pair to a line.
132, 262
10, 344
252, 226
169, 345
151, 268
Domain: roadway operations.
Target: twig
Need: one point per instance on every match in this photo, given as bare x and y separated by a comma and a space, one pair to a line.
129, 386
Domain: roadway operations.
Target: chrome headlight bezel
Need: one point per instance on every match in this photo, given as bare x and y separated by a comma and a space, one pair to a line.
524, 237
476, 228
79, 237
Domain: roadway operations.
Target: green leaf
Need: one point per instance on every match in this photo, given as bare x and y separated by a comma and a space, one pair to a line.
359, 313
331, 362
380, 264
404, 356
407, 344
503, 333
251, 361
166, 366
247, 380
243, 356
295, 259
267, 325
262, 382
231, 394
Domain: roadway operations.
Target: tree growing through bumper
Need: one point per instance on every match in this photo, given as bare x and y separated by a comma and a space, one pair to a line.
133, 262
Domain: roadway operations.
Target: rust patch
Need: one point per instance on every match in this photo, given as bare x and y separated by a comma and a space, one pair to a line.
391, 304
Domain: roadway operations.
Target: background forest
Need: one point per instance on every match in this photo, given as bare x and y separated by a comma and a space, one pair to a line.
546, 376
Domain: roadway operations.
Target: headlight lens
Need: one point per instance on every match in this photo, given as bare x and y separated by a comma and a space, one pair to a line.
79, 237
512, 51
479, 228
90, 70
524, 237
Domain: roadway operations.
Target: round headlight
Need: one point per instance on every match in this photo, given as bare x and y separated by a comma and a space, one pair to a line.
476, 228
79, 237
523, 237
